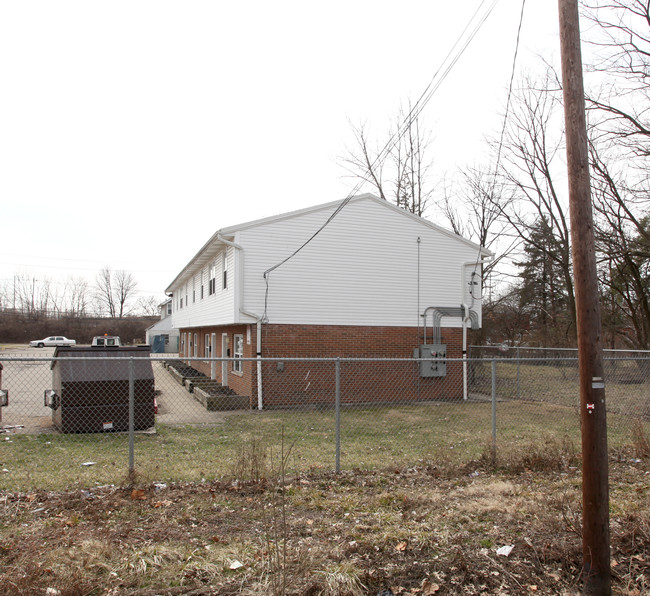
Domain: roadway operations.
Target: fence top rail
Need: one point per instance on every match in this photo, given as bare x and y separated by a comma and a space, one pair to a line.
448, 360
533, 348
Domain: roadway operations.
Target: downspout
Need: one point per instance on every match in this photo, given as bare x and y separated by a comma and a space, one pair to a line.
258, 319
466, 317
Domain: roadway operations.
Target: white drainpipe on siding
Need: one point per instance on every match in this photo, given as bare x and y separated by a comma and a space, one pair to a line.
258, 318
466, 317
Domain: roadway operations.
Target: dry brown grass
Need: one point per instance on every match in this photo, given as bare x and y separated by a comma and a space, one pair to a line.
430, 529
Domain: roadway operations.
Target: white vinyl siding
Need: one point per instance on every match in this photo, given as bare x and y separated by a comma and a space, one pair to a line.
217, 308
361, 269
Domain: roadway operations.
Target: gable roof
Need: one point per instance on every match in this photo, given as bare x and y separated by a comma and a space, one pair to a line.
207, 251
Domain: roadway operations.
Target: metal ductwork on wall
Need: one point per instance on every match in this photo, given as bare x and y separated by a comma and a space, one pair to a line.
437, 312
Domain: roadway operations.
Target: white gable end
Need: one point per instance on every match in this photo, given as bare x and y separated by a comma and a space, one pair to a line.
365, 267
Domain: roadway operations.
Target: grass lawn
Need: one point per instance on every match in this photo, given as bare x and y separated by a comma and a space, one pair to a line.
371, 438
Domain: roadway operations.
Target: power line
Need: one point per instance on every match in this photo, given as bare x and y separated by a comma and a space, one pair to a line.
69, 268
415, 111
505, 117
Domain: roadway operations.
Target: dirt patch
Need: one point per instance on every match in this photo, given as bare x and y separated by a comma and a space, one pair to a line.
417, 531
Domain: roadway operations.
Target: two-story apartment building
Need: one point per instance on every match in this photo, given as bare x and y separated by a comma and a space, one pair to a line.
358, 278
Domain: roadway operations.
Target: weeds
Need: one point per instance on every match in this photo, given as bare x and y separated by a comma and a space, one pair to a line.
640, 440
548, 454
276, 524
342, 579
398, 529
251, 462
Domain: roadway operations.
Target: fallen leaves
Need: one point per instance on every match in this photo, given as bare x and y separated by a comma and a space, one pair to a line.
206, 533
401, 547
429, 587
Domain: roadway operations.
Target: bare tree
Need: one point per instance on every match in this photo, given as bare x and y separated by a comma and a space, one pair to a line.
115, 291
32, 296
472, 207
621, 38
529, 156
623, 242
77, 295
398, 169
148, 306
104, 292
619, 153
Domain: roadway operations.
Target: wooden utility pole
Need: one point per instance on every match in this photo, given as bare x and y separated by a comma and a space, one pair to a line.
593, 418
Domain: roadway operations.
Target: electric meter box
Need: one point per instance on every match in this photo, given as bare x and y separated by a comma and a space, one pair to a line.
433, 360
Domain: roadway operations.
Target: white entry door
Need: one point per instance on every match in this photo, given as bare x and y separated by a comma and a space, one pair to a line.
224, 363
213, 364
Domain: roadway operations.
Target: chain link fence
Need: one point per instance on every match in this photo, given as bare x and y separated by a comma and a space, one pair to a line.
86, 419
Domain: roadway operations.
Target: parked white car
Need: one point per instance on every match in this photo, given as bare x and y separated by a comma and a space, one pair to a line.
53, 340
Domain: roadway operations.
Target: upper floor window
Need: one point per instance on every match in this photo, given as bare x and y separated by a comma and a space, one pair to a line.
225, 271
212, 280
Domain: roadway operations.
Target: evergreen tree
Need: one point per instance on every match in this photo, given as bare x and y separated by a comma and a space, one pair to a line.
543, 292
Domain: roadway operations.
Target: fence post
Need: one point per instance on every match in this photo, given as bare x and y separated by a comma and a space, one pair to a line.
494, 411
1, 367
338, 414
518, 374
131, 416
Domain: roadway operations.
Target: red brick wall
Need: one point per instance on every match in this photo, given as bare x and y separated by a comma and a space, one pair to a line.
241, 383
287, 383
313, 383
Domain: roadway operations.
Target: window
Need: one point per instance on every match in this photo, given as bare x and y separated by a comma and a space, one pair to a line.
207, 352
212, 279
193, 290
201, 284
238, 353
225, 271
169, 308
181, 303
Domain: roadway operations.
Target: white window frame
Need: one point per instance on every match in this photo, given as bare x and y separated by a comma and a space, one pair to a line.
212, 275
224, 271
237, 353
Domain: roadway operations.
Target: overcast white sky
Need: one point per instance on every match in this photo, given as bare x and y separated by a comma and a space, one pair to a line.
130, 131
